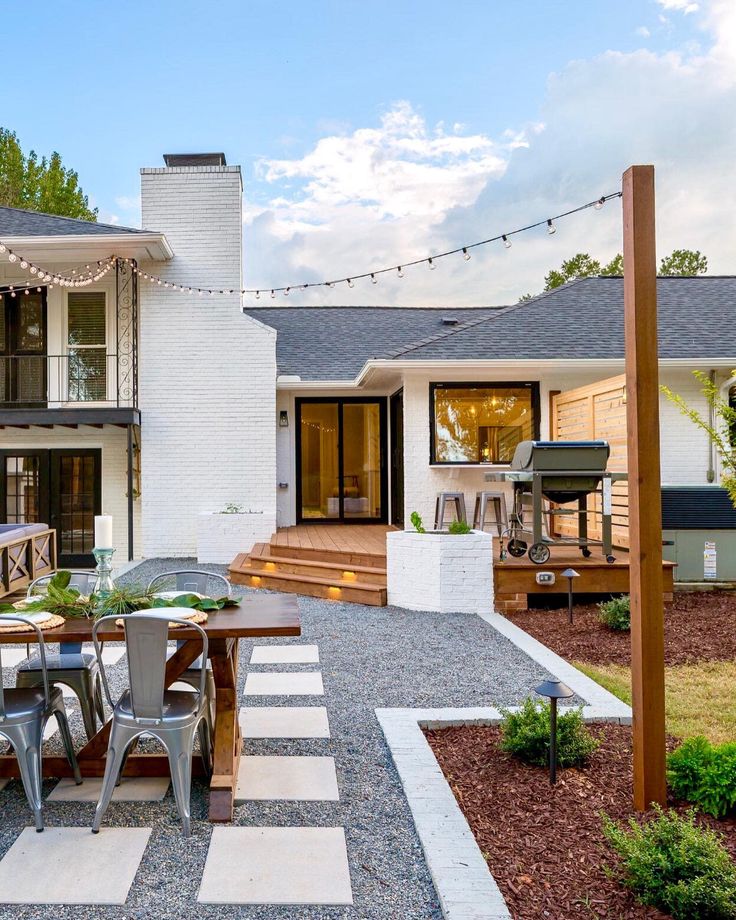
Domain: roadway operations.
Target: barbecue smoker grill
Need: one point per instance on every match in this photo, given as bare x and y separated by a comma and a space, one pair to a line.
562, 472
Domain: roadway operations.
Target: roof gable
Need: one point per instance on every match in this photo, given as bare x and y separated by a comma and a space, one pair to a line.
16, 222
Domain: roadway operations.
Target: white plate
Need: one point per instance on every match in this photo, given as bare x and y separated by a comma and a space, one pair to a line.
35, 616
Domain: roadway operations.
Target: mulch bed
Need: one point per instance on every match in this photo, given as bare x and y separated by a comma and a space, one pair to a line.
699, 626
544, 845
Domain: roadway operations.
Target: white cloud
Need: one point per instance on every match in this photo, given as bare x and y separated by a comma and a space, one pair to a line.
680, 6
378, 196
642, 32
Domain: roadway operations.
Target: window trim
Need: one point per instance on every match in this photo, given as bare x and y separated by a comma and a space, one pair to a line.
533, 386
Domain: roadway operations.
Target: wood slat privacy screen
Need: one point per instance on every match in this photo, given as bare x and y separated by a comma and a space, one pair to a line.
596, 411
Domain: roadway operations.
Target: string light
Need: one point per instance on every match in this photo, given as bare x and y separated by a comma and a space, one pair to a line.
91, 274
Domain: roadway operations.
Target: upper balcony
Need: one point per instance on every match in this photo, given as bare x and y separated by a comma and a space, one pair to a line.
70, 356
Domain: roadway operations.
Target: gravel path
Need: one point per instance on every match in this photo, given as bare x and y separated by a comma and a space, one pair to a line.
370, 657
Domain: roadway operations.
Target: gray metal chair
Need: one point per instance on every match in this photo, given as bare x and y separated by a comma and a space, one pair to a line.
71, 667
209, 583
444, 500
23, 716
174, 717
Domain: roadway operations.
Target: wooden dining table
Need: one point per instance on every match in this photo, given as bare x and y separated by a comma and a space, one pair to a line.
257, 616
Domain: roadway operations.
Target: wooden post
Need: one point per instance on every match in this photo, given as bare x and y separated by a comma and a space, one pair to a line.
645, 499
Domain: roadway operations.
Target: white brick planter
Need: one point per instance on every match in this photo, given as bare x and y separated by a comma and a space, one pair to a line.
440, 572
220, 537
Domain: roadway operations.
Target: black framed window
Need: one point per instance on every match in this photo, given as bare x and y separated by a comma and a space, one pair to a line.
481, 422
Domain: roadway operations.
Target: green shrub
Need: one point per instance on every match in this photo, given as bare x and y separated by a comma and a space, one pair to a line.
526, 734
459, 527
705, 775
671, 863
616, 613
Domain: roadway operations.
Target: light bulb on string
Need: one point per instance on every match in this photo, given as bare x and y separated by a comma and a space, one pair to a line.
432, 266
350, 283
374, 280
23, 263
399, 271
599, 204
273, 293
12, 257
258, 295
506, 241
466, 254
286, 292
551, 227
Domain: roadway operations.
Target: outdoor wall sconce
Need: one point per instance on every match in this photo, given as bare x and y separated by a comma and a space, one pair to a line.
554, 690
569, 574
283, 419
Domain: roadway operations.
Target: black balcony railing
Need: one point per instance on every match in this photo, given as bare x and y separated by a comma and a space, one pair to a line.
83, 376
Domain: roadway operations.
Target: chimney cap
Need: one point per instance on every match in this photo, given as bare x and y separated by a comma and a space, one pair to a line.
195, 159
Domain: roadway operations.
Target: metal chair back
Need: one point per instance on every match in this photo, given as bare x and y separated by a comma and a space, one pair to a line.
42, 655
146, 636
190, 580
83, 581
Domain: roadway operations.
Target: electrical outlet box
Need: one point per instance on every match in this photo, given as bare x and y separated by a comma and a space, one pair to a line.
545, 578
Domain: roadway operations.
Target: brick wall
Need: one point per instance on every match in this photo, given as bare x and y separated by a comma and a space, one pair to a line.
207, 372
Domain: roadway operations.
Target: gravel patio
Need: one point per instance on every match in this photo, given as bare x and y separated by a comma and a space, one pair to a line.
369, 657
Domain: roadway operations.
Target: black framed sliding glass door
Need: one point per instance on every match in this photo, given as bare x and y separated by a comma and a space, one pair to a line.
341, 470
61, 488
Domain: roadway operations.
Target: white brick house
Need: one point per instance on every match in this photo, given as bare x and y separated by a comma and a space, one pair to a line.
158, 406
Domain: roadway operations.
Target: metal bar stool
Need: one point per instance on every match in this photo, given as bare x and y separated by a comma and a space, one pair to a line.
497, 501
72, 667
444, 499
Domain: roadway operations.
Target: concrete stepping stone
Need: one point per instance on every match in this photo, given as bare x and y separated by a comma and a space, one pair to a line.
292, 779
284, 683
276, 865
71, 865
131, 789
12, 657
284, 722
285, 654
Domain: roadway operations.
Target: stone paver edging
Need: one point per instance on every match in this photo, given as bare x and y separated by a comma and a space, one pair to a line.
465, 886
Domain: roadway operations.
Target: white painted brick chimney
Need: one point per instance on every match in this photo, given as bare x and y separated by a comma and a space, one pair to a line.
207, 371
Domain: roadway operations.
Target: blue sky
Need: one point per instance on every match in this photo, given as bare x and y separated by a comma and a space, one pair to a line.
348, 117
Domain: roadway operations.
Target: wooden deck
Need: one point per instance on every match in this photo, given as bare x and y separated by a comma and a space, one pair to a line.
348, 562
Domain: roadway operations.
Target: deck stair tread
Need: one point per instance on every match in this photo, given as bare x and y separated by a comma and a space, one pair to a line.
286, 559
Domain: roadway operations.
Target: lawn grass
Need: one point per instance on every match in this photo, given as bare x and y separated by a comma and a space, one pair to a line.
700, 698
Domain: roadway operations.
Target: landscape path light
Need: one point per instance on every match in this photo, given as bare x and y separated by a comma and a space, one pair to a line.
569, 574
553, 690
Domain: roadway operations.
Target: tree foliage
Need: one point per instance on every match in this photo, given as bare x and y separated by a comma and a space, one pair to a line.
43, 184
684, 262
680, 262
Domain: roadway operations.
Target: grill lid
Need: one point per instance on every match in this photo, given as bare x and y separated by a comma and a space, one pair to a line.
561, 455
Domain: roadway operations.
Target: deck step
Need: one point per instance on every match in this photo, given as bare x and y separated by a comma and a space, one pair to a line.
242, 571
268, 562
347, 559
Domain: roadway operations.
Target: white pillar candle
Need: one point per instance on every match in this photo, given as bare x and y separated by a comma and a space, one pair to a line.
103, 531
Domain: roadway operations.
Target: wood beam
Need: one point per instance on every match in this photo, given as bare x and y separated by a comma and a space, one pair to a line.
645, 497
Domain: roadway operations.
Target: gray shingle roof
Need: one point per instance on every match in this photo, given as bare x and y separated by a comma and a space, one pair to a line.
333, 343
17, 222
583, 319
